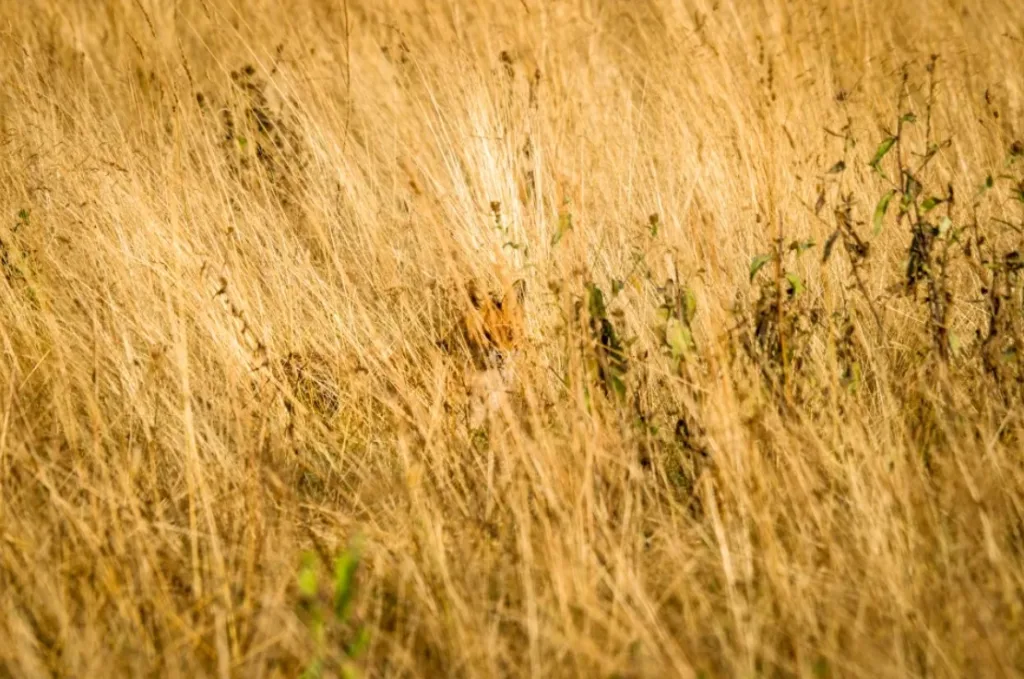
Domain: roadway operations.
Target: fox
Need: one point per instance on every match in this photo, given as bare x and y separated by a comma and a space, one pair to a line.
493, 329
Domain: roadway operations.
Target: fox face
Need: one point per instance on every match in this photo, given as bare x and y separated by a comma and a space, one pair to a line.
494, 327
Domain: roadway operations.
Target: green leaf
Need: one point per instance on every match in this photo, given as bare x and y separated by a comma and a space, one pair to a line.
883, 149
595, 302
931, 203
796, 286
308, 581
315, 670
678, 338
912, 188
616, 384
801, 246
23, 215
564, 227
360, 644
344, 586
757, 263
689, 306
909, 118
851, 377
955, 345
654, 221
881, 208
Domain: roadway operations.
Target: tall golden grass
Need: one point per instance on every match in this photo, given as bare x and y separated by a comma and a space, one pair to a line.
235, 235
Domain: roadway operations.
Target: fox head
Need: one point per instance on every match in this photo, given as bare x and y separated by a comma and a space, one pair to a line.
494, 326
490, 326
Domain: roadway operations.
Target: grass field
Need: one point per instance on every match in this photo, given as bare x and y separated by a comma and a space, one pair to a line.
761, 414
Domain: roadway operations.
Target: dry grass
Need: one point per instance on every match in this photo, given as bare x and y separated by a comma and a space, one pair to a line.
234, 236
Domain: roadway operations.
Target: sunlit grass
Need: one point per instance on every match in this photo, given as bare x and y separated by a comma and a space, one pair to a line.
759, 413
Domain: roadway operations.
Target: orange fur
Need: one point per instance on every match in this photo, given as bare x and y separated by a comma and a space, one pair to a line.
493, 329
493, 326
